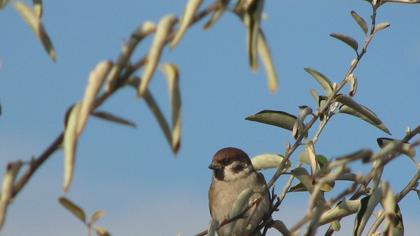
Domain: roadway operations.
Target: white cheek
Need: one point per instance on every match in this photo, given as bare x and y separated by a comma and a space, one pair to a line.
230, 175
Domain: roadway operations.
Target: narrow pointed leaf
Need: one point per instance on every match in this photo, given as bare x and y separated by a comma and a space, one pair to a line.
268, 161
96, 79
101, 231
402, 1
367, 206
406, 148
343, 209
70, 144
252, 20
186, 19
97, 215
240, 202
153, 57
3, 3
34, 22
352, 80
277, 118
238, 205
396, 226
381, 26
347, 40
214, 224
7, 189
136, 37
222, 4
113, 118
38, 8
310, 149
267, 60
153, 106
353, 108
321, 79
360, 21
172, 76
73, 208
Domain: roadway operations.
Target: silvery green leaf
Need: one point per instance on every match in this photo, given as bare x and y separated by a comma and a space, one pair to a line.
367, 206
70, 143
113, 118
353, 108
214, 224
277, 118
6, 197
172, 76
97, 215
343, 209
73, 208
30, 17
346, 39
405, 149
3, 3
252, 20
267, 161
38, 8
401, 1
101, 231
381, 26
186, 19
153, 57
267, 60
96, 79
222, 4
360, 21
321, 79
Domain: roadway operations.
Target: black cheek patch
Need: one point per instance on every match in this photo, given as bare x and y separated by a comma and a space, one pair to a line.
218, 174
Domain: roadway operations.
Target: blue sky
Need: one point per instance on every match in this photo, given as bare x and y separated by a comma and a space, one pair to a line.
131, 173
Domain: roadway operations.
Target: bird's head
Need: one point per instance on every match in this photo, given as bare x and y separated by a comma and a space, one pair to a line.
230, 164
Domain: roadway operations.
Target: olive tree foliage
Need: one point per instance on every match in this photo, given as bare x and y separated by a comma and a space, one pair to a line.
313, 172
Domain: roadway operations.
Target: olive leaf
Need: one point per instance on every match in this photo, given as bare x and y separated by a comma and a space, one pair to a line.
321, 79
267, 60
101, 231
252, 20
38, 8
381, 26
96, 79
267, 161
406, 148
31, 18
186, 19
113, 118
277, 118
172, 76
346, 39
70, 144
353, 108
162, 32
7, 188
97, 215
360, 21
73, 208
367, 206
222, 5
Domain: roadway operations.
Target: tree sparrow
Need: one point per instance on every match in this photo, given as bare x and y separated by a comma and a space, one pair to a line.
232, 173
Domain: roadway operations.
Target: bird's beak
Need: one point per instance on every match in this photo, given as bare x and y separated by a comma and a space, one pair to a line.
215, 166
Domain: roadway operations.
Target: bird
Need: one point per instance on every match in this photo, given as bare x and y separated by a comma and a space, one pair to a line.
233, 173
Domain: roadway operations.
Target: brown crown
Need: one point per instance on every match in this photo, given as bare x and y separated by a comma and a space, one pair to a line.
227, 155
